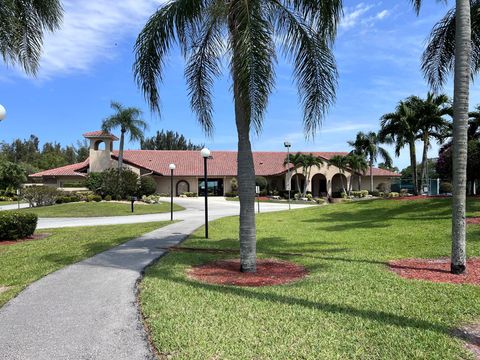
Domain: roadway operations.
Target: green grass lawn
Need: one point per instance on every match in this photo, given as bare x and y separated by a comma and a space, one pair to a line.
349, 306
2, 203
25, 262
90, 209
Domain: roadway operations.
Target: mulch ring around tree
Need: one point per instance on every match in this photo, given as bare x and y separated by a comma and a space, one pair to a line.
28, 238
227, 272
436, 270
473, 220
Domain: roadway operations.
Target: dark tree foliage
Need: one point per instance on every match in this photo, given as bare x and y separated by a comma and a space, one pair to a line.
168, 140
33, 157
444, 163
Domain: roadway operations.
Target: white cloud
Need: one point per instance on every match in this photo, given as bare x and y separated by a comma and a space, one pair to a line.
352, 16
382, 14
90, 32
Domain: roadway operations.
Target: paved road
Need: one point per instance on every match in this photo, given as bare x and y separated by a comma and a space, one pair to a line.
217, 206
88, 310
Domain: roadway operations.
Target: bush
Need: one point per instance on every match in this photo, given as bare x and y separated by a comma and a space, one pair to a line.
108, 198
118, 185
231, 194
376, 193
446, 187
94, 181
261, 182
148, 186
319, 200
40, 195
16, 225
190, 194
152, 199
403, 192
339, 195
393, 194
234, 184
309, 197
360, 193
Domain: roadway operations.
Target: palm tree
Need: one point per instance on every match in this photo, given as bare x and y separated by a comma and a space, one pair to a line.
357, 163
401, 128
431, 123
128, 120
309, 161
297, 161
248, 32
474, 124
22, 27
368, 145
341, 162
450, 49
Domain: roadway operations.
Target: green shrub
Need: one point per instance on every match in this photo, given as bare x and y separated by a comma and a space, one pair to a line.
148, 186
309, 197
190, 194
376, 193
403, 192
151, 199
359, 193
40, 195
16, 225
446, 187
94, 181
339, 195
231, 194
108, 198
393, 194
261, 182
319, 201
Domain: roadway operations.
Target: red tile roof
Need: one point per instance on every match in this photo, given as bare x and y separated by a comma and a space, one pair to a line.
68, 170
190, 163
100, 134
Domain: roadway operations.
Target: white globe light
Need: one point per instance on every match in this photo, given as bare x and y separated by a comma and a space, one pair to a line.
172, 166
3, 112
205, 152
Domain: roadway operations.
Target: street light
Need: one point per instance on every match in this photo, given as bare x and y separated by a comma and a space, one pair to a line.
3, 112
172, 167
206, 155
288, 145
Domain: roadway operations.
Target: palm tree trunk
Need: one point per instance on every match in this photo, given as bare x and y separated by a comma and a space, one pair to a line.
120, 150
359, 182
371, 173
246, 186
423, 171
413, 164
460, 122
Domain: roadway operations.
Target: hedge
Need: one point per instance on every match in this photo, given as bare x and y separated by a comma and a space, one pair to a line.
16, 225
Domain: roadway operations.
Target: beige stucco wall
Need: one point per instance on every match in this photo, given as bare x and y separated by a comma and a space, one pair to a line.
387, 180
163, 183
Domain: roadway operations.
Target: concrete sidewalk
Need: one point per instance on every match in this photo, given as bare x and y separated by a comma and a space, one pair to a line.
88, 310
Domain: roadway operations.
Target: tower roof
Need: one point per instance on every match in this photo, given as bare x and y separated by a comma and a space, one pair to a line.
100, 134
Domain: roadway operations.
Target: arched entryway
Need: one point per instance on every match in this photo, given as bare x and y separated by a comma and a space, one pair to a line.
182, 187
298, 180
319, 185
339, 183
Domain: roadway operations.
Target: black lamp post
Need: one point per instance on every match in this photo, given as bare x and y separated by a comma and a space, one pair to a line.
289, 185
172, 167
206, 155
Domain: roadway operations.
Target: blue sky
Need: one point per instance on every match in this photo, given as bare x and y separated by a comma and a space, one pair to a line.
88, 63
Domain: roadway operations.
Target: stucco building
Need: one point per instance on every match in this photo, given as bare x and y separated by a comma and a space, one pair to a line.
222, 168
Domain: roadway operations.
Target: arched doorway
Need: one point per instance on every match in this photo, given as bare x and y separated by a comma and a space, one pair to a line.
319, 185
298, 180
339, 183
182, 187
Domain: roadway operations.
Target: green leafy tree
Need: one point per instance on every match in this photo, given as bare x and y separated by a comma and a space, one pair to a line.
248, 32
450, 49
11, 176
168, 140
129, 121
22, 28
368, 145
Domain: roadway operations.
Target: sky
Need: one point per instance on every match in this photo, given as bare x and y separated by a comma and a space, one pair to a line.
88, 63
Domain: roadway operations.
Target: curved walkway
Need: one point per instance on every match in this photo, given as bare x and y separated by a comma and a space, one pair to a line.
88, 310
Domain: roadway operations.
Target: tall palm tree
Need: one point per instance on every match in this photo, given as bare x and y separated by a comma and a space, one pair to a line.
341, 162
358, 164
430, 114
248, 33
309, 162
401, 129
450, 48
22, 27
297, 161
128, 120
368, 145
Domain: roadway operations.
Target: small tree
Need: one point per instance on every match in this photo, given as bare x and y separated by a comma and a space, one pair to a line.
11, 176
148, 186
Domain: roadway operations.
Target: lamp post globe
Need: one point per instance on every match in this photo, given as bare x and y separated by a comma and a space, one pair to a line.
205, 152
3, 112
172, 167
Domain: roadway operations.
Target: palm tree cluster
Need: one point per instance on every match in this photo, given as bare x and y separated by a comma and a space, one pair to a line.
417, 119
306, 162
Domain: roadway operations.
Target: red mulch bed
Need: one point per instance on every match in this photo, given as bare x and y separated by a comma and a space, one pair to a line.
473, 220
29, 238
436, 270
227, 272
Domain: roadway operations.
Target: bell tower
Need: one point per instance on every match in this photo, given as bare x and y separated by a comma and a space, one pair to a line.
101, 147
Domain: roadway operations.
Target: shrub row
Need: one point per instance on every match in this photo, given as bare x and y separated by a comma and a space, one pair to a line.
16, 225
